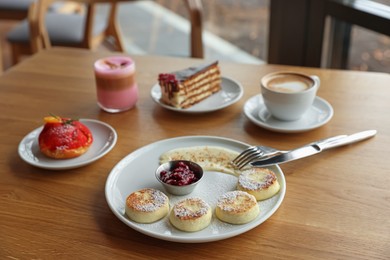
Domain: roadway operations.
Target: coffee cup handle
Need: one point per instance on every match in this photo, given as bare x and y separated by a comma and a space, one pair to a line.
316, 80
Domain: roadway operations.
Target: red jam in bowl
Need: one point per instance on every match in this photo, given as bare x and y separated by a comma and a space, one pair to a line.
180, 174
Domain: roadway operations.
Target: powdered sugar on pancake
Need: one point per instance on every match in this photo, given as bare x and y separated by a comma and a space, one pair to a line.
191, 208
253, 180
214, 185
156, 201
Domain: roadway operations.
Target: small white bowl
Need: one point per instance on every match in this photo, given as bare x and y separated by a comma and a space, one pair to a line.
176, 189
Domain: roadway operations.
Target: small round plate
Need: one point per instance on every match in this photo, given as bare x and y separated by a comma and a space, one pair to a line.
137, 171
104, 139
230, 93
319, 114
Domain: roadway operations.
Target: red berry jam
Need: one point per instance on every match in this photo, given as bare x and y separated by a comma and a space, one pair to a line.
179, 175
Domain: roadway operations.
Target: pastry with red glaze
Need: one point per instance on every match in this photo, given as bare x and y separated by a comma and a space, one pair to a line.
63, 138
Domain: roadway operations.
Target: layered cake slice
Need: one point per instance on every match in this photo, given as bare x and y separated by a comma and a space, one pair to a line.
187, 87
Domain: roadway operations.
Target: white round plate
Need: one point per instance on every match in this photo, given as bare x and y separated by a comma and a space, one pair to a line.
230, 93
104, 139
137, 171
319, 114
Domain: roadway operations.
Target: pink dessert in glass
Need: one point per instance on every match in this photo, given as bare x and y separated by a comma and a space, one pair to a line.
116, 87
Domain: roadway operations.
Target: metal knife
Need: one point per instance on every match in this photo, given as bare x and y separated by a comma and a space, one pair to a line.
314, 148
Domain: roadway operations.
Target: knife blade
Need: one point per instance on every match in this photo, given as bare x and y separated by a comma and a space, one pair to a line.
314, 148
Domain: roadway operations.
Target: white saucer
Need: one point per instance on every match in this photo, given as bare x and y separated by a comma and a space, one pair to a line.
318, 115
230, 93
104, 139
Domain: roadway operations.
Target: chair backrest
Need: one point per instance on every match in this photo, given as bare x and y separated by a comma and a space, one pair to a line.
39, 37
14, 9
195, 9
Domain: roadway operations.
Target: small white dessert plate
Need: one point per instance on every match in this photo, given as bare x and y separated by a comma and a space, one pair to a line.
104, 139
137, 171
230, 93
319, 114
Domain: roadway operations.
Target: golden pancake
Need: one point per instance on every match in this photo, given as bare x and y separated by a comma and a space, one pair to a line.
191, 214
147, 205
260, 182
237, 207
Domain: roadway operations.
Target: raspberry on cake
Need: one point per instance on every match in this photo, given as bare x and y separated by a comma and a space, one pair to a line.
184, 88
63, 138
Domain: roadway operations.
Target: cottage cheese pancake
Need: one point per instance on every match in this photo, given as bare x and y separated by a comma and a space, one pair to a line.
237, 207
260, 182
210, 158
191, 214
147, 205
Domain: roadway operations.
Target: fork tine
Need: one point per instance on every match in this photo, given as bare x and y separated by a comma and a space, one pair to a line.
249, 159
247, 156
244, 153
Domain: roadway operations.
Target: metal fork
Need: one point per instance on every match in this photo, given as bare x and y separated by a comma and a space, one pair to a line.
254, 153
260, 152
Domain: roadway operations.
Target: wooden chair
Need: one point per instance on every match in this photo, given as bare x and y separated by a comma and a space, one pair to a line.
33, 34
14, 9
1, 61
42, 29
195, 9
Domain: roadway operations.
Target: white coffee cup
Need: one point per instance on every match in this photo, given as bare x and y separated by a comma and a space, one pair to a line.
288, 95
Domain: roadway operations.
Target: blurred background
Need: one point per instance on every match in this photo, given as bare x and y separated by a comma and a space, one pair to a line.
234, 30
244, 23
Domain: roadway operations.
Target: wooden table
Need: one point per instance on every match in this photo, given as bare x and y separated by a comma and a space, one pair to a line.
336, 205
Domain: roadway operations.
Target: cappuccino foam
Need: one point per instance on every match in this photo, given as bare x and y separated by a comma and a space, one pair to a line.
289, 83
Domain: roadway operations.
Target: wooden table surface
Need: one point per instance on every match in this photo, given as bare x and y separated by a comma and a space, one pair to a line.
337, 203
